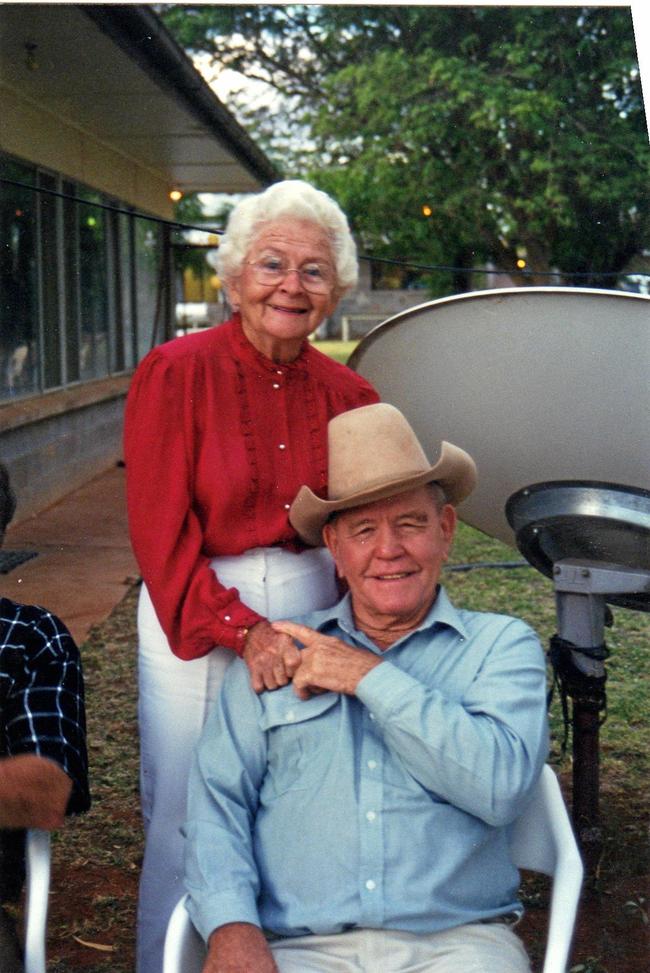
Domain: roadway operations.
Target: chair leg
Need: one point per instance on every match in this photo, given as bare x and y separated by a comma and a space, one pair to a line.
37, 899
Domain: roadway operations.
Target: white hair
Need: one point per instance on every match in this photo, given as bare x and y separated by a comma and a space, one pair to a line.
298, 200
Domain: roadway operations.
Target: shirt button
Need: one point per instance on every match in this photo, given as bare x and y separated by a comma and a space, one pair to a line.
287, 506
372, 716
290, 716
372, 764
275, 385
226, 618
370, 885
282, 446
279, 371
370, 815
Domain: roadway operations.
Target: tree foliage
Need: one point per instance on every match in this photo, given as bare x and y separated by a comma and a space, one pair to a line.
521, 128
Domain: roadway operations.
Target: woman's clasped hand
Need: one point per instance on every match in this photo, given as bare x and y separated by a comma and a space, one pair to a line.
272, 657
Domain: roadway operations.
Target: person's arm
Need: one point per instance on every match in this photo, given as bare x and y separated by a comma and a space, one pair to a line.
34, 792
239, 948
44, 717
195, 610
483, 753
225, 778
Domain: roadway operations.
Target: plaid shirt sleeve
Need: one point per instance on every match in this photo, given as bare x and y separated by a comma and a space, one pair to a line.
42, 694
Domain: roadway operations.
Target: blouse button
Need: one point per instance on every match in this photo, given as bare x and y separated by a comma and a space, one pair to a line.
287, 506
226, 618
276, 385
282, 446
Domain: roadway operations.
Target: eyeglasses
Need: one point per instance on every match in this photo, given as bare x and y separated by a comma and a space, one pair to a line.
314, 277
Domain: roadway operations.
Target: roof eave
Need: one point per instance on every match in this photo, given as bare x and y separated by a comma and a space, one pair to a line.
140, 33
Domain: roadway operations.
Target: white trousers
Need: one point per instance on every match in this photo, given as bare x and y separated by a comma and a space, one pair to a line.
174, 700
475, 948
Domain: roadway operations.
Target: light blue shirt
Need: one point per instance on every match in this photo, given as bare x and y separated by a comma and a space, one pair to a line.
389, 809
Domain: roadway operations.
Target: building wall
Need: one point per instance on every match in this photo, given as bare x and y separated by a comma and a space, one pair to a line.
36, 135
54, 443
77, 314
55, 440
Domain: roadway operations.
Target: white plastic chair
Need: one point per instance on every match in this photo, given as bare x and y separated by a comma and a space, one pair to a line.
184, 949
542, 841
37, 860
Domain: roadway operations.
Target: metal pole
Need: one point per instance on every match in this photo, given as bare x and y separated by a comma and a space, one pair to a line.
586, 810
581, 622
580, 595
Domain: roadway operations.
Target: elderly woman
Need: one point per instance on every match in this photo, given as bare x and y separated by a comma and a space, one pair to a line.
222, 428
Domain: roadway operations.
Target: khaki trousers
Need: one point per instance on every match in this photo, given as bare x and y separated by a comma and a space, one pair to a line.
476, 948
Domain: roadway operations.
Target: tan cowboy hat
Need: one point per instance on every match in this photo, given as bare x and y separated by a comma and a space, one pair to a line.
374, 454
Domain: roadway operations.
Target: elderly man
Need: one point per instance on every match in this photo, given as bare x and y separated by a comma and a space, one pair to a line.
358, 819
43, 759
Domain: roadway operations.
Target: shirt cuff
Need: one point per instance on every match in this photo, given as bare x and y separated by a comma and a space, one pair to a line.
228, 627
220, 908
383, 688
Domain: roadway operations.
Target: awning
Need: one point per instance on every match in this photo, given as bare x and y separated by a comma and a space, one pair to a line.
115, 71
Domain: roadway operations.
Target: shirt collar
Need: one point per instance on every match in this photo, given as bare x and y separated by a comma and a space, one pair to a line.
441, 613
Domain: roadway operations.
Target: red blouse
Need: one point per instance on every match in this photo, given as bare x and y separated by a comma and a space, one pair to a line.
217, 441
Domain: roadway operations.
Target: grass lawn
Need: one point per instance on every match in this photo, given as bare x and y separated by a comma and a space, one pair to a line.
339, 350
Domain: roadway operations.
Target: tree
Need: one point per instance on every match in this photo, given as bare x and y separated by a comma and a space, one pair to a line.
521, 128
189, 211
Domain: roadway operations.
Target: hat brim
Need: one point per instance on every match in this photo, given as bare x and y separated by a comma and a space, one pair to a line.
455, 471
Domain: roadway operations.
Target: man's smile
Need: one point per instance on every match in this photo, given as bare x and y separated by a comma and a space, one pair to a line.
395, 576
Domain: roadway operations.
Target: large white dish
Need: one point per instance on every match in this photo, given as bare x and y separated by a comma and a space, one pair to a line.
538, 384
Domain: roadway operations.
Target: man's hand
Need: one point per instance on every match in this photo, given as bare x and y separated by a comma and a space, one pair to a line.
271, 657
34, 792
326, 663
239, 947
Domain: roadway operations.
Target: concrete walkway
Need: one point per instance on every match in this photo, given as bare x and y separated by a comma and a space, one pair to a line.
84, 565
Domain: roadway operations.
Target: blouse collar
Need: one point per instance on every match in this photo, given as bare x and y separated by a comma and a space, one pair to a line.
249, 354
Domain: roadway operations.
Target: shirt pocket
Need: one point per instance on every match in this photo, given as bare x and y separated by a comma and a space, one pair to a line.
296, 739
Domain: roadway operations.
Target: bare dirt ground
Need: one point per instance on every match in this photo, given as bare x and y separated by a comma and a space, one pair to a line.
96, 859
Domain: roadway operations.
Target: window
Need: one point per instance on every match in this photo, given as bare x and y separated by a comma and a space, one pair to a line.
71, 282
19, 354
80, 283
128, 289
48, 209
93, 254
148, 260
